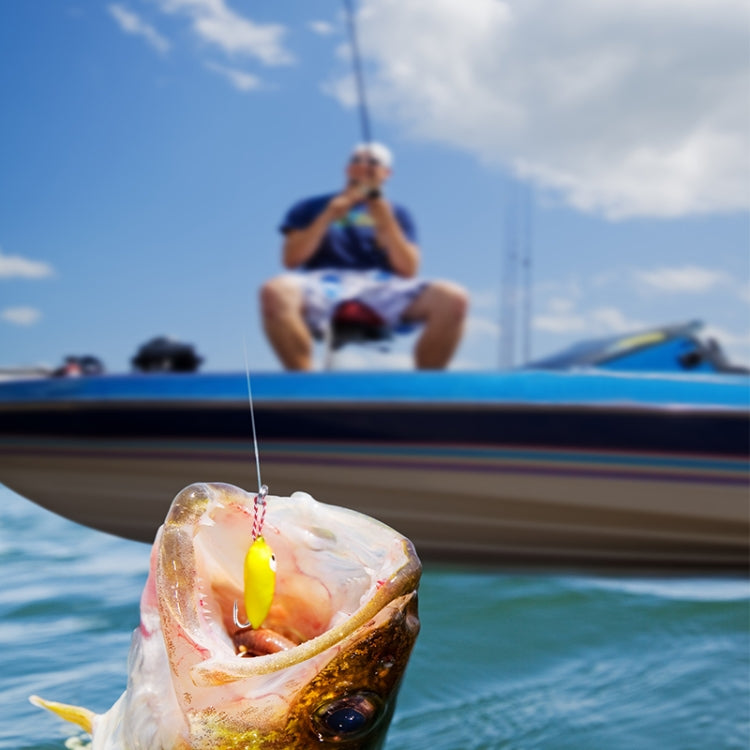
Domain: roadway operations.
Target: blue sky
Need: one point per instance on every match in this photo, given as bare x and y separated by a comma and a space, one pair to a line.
150, 148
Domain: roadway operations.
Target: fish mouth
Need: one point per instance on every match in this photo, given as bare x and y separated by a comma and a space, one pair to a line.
340, 575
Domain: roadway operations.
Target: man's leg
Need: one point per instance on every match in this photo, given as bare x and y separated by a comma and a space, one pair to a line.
281, 307
442, 307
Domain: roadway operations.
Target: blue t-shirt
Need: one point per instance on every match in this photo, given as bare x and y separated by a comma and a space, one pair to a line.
349, 242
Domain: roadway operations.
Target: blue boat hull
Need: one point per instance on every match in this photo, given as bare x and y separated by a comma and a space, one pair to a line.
522, 467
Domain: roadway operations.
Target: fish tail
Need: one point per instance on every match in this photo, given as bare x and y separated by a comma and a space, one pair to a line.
74, 714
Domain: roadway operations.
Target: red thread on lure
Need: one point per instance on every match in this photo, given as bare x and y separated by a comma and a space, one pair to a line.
259, 511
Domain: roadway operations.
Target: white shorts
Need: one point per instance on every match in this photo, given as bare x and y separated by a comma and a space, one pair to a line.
385, 293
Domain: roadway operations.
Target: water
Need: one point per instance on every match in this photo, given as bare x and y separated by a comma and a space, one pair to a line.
504, 661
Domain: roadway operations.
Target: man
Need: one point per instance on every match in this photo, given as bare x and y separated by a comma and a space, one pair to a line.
356, 244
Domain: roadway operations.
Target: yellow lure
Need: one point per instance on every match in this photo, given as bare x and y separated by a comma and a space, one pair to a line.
260, 581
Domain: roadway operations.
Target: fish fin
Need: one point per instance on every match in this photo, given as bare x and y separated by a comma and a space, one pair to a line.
74, 714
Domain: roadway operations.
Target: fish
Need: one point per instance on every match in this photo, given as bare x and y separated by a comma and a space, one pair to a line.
323, 668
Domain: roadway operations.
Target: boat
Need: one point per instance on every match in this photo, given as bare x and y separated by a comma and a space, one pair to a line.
682, 347
579, 467
22, 373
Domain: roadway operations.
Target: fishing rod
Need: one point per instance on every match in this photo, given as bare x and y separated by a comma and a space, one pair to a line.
364, 115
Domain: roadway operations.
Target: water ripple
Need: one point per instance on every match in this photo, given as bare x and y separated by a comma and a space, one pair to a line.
503, 662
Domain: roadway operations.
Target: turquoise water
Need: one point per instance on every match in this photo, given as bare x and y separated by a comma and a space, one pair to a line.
504, 660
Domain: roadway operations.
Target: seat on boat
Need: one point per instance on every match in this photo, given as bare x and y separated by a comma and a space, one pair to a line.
354, 322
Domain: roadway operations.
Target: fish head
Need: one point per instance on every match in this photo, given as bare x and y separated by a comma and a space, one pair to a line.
345, 601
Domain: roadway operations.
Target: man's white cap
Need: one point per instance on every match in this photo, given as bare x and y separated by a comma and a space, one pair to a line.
376, 151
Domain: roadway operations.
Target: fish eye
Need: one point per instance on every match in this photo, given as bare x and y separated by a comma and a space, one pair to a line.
347, 718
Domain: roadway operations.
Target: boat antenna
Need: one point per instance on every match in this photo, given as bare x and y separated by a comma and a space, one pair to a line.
517, 268
509, 284
527, 267
364, 116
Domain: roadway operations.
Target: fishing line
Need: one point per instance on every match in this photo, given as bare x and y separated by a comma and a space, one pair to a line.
259, 505
260, 563
364, 116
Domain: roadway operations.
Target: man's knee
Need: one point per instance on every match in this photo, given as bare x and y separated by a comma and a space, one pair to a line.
447, 300
279, 296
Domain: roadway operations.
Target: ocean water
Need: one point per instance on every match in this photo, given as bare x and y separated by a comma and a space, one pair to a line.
504, 660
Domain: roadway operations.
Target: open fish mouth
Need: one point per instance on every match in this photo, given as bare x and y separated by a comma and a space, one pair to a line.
322, 670
327, 662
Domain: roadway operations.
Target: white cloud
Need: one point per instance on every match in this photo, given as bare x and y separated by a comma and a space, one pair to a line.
686, 279
562, 317
484, 327
559, 323
560, 314
485, 299
216, 23
612, 320
21, 316
625, 108
238, 78
342, 89
322, 28
12, 266
560, 305
130, 23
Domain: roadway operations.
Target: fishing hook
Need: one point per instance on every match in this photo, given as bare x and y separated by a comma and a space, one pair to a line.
236, 619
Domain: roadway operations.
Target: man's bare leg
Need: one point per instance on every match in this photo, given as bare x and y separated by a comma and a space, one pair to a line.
281, 307
442, 307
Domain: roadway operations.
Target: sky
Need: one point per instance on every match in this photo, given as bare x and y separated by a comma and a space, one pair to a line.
150, 148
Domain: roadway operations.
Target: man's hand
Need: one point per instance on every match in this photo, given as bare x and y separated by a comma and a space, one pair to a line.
402, 254
300, 244
339, 205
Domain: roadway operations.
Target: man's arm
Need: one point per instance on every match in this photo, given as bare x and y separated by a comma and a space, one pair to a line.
300, 244
403, 254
